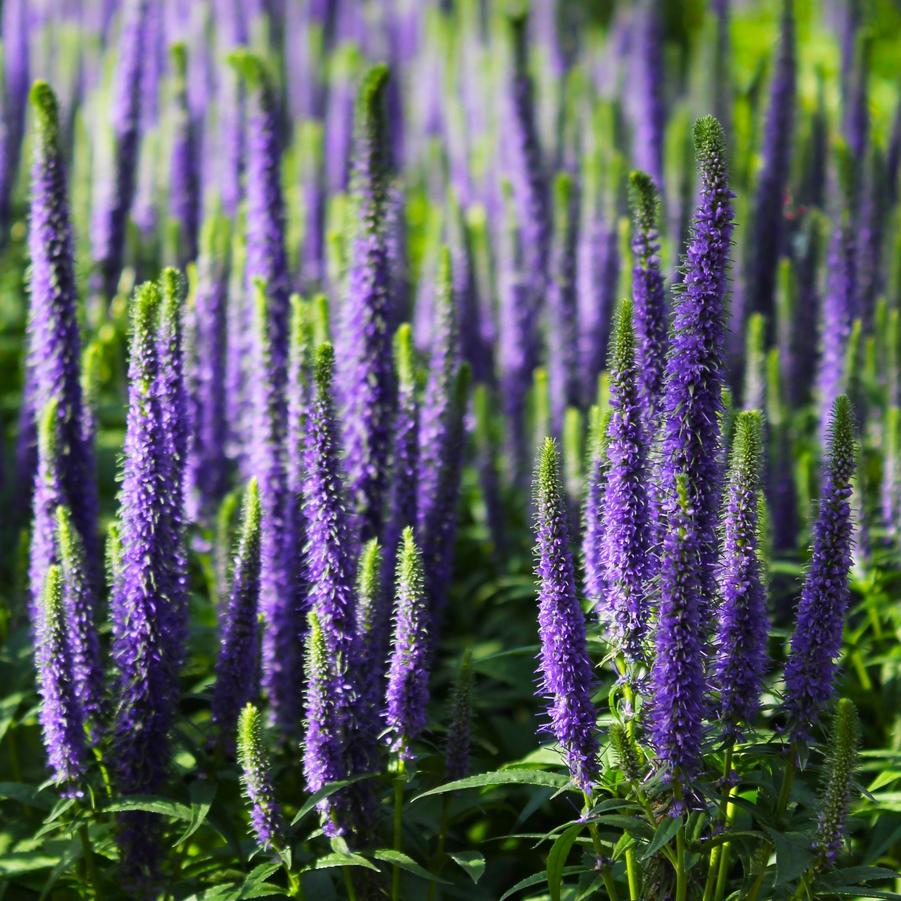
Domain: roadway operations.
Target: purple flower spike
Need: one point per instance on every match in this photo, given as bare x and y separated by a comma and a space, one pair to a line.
145, 685
366, 376
742, 630
110, 210
563, 370
83, 639
766, 238
281, 660
456, 755
810, 669
405, 469
236, 666
408, 671
325, 744
266, 820
593, 514
207, 473
565, 668
677, 676
61, 713
694, 377
648, 298
650, 116
16, 67
54, 353
626, 521
184, 202
266, 257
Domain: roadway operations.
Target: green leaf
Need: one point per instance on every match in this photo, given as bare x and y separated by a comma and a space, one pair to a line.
856, 891
503, 777
537, 879
323, 793
473, 862
29, 795
339, 859
792, 854
151, 804
405, 862
665, 833
633, 825
13, 864
202, 794
556, 860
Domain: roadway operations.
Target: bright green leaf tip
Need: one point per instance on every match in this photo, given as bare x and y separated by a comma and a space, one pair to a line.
46, 108
324, 368
250, 66
709, 138
146, 308
643, 198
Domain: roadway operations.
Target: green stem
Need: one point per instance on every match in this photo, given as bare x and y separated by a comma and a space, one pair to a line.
89, 864
717, 851
632, 875
681, 875
606, 875
349, 885
434, 892
398, 827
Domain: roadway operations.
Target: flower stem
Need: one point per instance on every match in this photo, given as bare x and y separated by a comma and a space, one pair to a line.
88, 855
606, 875
398, 827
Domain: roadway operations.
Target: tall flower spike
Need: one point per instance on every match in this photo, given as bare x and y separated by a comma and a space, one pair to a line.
141, 652
648, 297
266, 256
742, 630
366, 377
110, 209
281, 661
838, 784
54, 340
206, 476
184, 180
238, 660
436, 403
405, 459
16, 66
459, 739
266, 818
694, 377
593, 513
650, 116
565, 667
80, 604
172, 577
48, 495
677, 676
563, 370
325, 745
810, 669
371, 624
61, 713
766, 238
407, 693
626, 523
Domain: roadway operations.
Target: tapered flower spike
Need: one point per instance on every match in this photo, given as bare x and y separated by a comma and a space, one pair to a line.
184, 175
373, 620
266, 255
650, 115
80, 605
626, 522
742, 629
838, 785
325, 744
365, 371
677, 676
648, 297
281, 660
54, 342
16, 31
238, 660
206, 476
436, 400
593, 513
816, 642
48, 495
565, 668
172, 578
563, 370
116, 188
405, 469
145, 684
61, 714
767, 230
690, 442
266, 820
459, 739
407, 693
